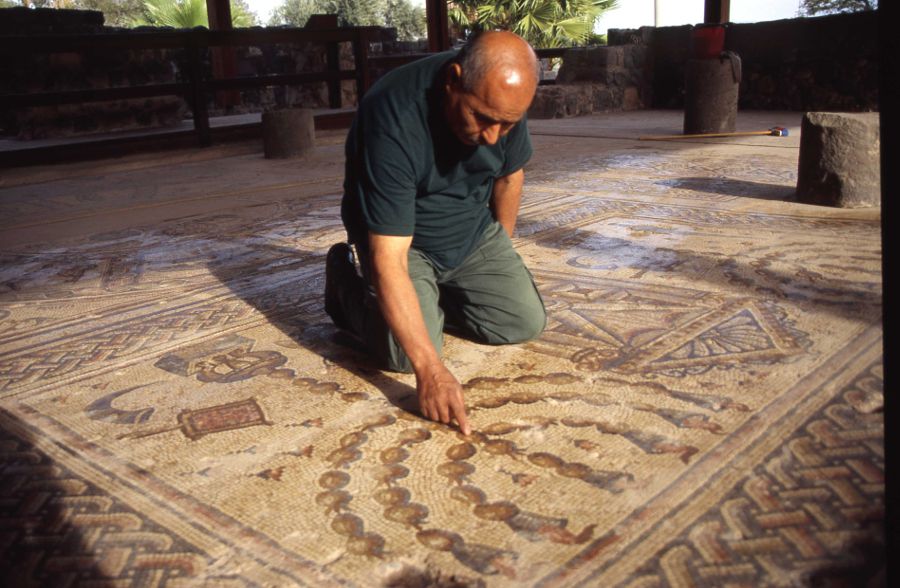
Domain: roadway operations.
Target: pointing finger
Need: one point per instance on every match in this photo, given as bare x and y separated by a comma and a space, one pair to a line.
459, 412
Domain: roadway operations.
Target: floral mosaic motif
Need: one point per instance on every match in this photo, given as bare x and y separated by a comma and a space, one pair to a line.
742, 333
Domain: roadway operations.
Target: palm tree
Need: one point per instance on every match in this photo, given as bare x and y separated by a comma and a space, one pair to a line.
187, 14
544, 23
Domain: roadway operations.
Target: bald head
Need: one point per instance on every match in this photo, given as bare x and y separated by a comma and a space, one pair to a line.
489, 87
501, 55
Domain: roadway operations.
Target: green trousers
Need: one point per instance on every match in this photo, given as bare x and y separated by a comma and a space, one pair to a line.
490, 298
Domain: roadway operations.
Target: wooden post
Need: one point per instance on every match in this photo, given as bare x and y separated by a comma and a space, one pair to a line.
438, 28
716, 11
333, 60
332, 55
224, 63
198, 91
361, 63
219, 13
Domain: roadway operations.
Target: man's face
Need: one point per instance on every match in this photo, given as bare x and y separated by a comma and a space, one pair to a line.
491, 110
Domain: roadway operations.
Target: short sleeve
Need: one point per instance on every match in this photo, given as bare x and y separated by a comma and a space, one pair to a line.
388, 186
386, 177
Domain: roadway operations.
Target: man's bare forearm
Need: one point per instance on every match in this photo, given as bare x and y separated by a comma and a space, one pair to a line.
440, 394
397, 299
506, 198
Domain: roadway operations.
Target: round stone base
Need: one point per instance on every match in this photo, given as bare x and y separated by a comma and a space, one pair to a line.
288, 133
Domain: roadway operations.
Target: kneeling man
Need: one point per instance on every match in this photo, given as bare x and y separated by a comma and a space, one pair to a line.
431, 194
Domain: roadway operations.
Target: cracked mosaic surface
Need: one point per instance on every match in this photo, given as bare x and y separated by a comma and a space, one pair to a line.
704, 406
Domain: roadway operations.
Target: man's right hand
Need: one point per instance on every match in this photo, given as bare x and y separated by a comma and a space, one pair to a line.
441, 396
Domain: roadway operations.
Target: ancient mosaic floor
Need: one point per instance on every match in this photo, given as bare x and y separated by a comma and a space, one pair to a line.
703, 409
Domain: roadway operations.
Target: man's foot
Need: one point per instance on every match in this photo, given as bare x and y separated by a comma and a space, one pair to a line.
340, 274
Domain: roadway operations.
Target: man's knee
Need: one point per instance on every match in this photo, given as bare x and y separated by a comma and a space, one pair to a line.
526, 324
529, 326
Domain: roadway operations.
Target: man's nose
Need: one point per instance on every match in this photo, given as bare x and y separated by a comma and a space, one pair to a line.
490, 134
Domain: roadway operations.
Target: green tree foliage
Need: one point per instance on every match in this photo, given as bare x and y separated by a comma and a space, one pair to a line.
813, 7
116, 13
186, 14
409, 20
128, 13
356, 12
294, 12
103, 6
47, 3
180, 14
241, 15
544, 23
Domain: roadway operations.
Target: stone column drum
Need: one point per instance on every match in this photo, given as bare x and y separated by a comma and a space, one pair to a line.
287, 133
711, 94
840, 159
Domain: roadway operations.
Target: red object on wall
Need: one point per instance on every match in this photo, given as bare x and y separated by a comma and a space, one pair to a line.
707, 41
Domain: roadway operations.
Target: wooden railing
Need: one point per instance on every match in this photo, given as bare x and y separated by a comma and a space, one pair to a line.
196, 86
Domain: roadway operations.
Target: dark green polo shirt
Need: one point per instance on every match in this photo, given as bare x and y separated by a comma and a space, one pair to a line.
407, 174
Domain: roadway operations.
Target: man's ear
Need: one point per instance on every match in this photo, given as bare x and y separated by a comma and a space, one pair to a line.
454, 75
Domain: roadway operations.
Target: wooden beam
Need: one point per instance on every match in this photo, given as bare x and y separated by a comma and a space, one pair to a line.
438, 28
224, 62
716, 11
219, 13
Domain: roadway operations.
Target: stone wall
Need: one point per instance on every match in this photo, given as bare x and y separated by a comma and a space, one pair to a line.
596, 79
827, 63
283, 59
803, 64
